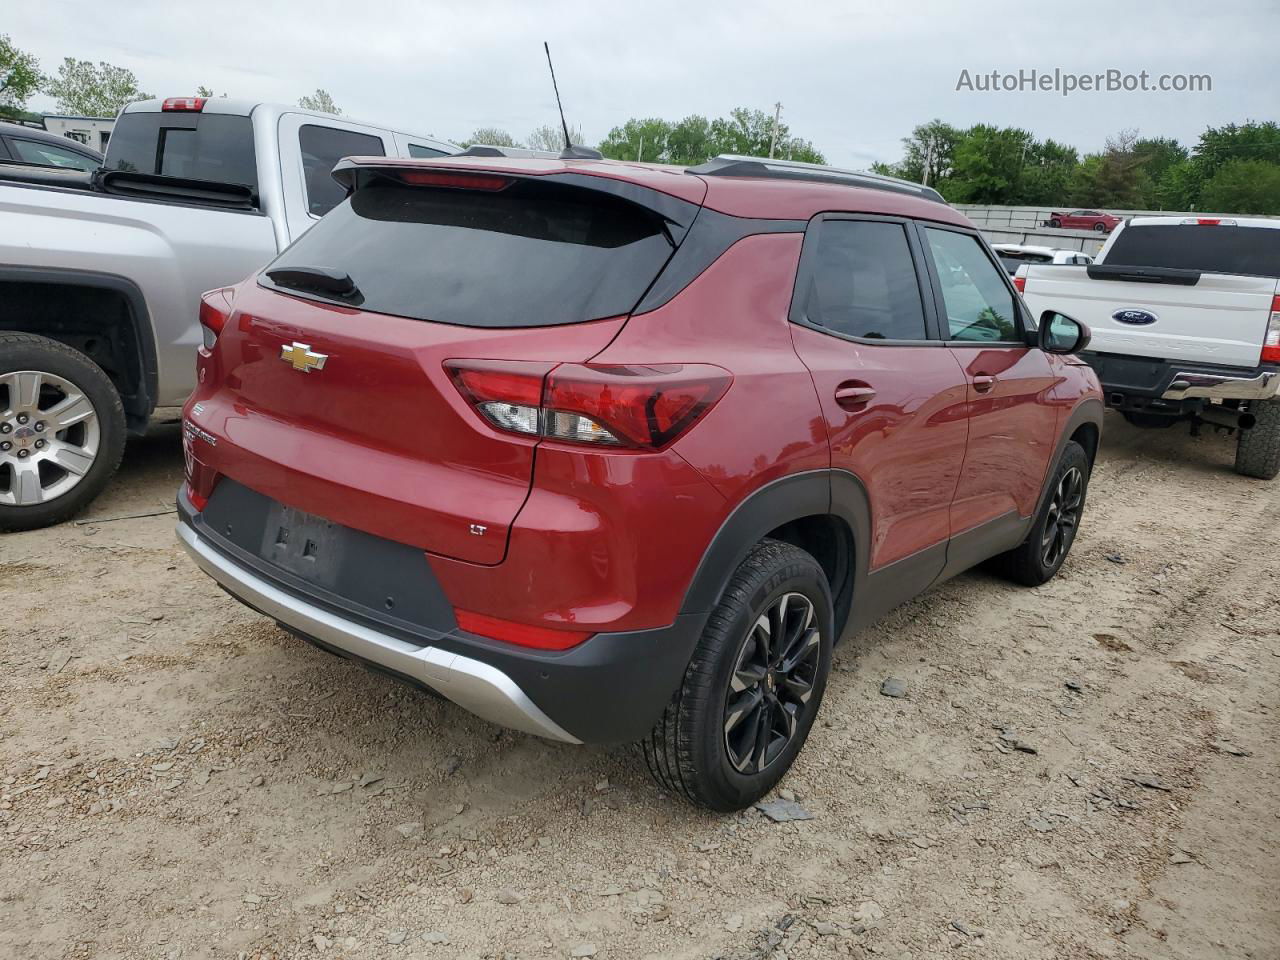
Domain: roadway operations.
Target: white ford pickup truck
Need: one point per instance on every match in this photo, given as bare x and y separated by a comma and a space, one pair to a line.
1185, 315
101, 273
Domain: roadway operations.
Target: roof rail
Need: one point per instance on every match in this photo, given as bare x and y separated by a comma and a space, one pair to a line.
732, 165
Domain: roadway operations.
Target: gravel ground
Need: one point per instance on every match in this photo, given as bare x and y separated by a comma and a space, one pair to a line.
1088, 769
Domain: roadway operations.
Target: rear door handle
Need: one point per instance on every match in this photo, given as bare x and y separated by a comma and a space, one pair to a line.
982, 383
851, 396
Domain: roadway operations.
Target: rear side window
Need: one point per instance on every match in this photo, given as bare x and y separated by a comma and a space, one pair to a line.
864, 282
534, 253
1254, 251
418, 150
197, 146
979, 305
48, 154
322, 147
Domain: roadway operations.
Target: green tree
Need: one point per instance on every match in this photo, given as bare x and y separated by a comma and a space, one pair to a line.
207, 92
551, 137
689, 142
490, 137
1046, 173
930, 145
1247, 141
1243, 186
87, 90
638, 140
321, 101
19, 75
987, 165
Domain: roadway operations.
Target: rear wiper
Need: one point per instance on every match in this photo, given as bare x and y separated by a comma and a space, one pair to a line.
320, 279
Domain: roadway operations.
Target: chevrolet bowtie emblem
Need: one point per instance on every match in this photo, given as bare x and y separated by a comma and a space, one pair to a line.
300, 356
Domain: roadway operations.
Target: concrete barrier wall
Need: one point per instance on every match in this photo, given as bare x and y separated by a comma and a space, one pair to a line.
1083, 240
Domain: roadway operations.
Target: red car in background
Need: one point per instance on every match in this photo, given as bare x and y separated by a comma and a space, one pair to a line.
1094, 220
606, 452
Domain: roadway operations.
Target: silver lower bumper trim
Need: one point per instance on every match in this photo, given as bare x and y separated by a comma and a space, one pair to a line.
475, 686
1212, 386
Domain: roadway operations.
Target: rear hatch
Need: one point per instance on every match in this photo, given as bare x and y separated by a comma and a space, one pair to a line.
418, 267
1180, 291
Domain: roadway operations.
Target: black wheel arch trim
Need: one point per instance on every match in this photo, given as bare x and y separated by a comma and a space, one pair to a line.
140, 317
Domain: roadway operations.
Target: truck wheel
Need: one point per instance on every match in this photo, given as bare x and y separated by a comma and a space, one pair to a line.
1258, 449
753, 686
1041, 555
61, 431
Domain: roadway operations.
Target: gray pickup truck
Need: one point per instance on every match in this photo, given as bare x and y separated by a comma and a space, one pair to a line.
101, 274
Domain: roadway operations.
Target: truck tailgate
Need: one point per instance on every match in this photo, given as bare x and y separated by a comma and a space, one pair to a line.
1220, 319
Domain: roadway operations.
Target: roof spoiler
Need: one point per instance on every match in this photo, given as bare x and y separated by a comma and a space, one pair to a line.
732, 165
571, 152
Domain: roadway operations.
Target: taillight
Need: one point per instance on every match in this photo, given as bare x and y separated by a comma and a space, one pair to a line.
190, 104
1271, 342
215, 309
520, 634
636, 406
197, 500
448, 178
1020, 284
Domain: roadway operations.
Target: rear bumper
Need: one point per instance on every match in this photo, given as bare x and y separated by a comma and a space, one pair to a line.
610, 689
1132, 382
1189, 384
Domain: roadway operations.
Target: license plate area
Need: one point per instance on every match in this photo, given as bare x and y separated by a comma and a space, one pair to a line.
308, 546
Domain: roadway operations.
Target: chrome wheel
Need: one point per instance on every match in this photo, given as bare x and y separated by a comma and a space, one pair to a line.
1064, 517
49, 437
772, 683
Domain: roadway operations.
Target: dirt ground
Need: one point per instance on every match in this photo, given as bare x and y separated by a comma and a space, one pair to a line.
1089, 769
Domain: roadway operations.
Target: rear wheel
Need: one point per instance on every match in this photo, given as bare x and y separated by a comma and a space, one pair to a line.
753, 686
61, 431
1038, 558
1056, 224
1099, 228
1258, 449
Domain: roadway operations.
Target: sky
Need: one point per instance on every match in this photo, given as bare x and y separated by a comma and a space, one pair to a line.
853, 77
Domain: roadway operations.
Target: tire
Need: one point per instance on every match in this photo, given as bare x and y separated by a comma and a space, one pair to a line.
49, 474
1099, 228
693, 751
1056, 224
1258, 449
1149, 420
1032, 563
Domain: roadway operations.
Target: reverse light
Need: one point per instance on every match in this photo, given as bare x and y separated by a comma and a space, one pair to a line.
215, 310
520, 634
183, 104
1271, 342
637, 406
449, 178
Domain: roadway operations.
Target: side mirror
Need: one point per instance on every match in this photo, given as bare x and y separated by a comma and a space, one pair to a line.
1062, 334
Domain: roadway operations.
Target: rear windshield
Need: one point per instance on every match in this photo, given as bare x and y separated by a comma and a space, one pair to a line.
197, 146
1208, 249
1012, 261
535, 253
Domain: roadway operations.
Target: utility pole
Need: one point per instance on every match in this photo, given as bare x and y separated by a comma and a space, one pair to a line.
773, 139
640, 150
928, 162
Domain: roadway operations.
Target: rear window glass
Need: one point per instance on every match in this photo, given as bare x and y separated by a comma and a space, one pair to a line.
531, 254
864, 282
197, 146
418, 150
1210, 249
322, 147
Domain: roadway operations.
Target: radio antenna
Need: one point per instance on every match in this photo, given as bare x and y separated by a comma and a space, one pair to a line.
554, 86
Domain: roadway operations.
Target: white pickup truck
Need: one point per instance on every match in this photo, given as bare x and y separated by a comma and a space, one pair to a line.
101, 274
1185, 315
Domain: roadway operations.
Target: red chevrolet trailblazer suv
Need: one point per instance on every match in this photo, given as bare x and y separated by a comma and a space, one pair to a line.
610, 452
